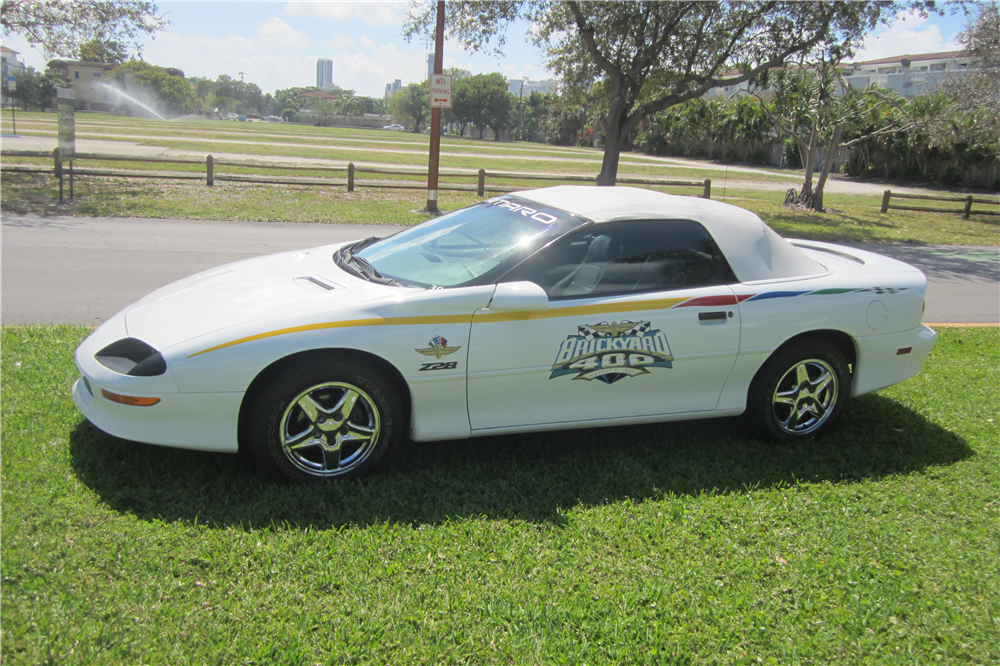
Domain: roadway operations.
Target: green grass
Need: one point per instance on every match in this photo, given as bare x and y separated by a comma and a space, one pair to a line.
666, 544
854, 218
849, 218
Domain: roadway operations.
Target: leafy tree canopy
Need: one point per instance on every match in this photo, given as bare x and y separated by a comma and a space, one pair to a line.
153, 84
61, 28
103, 50
653, 55
413, 103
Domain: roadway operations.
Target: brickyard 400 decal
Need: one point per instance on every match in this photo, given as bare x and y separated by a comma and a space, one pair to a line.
610, 352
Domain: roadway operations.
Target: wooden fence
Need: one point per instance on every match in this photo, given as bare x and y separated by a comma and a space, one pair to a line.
966, 210
209, 172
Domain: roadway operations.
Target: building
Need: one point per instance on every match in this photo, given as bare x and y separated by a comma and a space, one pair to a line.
324, 73
907, 75
320, 94
392, 88
524, 87
11, 65
911, 74
430, 65
86, 78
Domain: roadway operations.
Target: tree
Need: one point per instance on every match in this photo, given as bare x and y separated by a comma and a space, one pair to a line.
654, 55
153, 84
816, 108
413, 103
325, 108
974, 92
62, 28
34, 89
103, 50
483, 100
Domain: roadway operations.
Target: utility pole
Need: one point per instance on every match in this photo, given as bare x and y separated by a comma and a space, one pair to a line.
434, 160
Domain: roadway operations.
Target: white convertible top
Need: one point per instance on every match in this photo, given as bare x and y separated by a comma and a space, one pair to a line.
753, 249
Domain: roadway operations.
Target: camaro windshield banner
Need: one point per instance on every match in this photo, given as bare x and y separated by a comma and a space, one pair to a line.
610, 352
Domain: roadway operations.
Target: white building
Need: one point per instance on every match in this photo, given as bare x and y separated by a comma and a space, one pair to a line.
87, 79
907, 75
324, 73
911, 74
524, 87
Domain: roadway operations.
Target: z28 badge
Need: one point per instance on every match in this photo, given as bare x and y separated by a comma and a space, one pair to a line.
609, 352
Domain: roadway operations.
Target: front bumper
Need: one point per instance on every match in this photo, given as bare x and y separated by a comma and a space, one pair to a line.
199, 421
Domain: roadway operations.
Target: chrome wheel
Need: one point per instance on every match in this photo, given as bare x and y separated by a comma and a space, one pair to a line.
329, 429
805, 396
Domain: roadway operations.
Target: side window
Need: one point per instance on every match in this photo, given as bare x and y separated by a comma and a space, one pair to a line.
628, 257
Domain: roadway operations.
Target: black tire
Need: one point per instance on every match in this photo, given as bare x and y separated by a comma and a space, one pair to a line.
799, 392
326, 419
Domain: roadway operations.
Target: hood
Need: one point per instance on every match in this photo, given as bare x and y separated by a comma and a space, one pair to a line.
273, 286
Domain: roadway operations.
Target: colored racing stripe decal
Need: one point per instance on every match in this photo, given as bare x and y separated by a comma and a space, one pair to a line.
353, 323
714, 301
571, 311
574, 311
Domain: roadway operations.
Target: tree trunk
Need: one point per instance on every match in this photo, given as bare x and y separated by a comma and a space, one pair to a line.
816, 200
810, 163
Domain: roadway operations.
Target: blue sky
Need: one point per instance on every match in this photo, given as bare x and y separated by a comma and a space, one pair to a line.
276, 44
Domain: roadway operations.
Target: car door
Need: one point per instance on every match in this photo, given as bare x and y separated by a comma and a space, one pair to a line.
641, 322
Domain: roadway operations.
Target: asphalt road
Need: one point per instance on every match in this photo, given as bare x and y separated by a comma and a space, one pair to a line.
74, 270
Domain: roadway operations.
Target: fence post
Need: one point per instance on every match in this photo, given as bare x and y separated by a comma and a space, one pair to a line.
707, 194
968, 207
209, 171
481, 184
57, 157
71, 179
885, 200
350, 176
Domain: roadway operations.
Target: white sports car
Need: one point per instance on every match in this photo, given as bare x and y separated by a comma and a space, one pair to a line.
558, 308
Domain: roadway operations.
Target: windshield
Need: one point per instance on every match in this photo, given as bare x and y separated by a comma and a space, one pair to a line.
471, 246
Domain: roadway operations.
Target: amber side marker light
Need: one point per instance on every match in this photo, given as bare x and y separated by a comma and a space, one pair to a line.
129, 399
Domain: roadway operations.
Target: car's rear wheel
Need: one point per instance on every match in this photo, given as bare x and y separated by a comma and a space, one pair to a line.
799, 392
325, 419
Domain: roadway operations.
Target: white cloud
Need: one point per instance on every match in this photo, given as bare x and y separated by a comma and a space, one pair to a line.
275, 33
338, 42
375, 14
909, 33
210, 57
368, 72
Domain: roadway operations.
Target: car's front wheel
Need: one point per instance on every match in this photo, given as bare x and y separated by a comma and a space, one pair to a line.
325, 419
799, 392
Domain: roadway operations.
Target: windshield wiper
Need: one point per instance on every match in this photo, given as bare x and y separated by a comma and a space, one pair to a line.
360, 266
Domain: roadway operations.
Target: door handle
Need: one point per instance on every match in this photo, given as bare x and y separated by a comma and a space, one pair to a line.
712, 316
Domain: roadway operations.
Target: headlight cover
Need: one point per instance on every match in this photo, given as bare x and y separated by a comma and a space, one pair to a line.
133, 357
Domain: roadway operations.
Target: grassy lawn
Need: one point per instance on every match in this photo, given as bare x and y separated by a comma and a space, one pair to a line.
853, 218
669, 544
850, 217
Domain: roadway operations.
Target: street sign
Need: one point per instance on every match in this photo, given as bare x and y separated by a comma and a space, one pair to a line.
440, 91
11, 83
67, 130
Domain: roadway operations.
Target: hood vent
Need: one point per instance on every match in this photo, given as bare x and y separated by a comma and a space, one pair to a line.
317, 283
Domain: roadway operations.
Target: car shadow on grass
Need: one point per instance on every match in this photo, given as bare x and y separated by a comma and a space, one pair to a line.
534, 478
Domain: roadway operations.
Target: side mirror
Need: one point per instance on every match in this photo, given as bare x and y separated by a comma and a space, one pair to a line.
519, 297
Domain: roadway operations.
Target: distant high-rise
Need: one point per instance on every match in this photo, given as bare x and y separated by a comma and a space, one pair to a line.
392, 88
324, 73
430, 65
